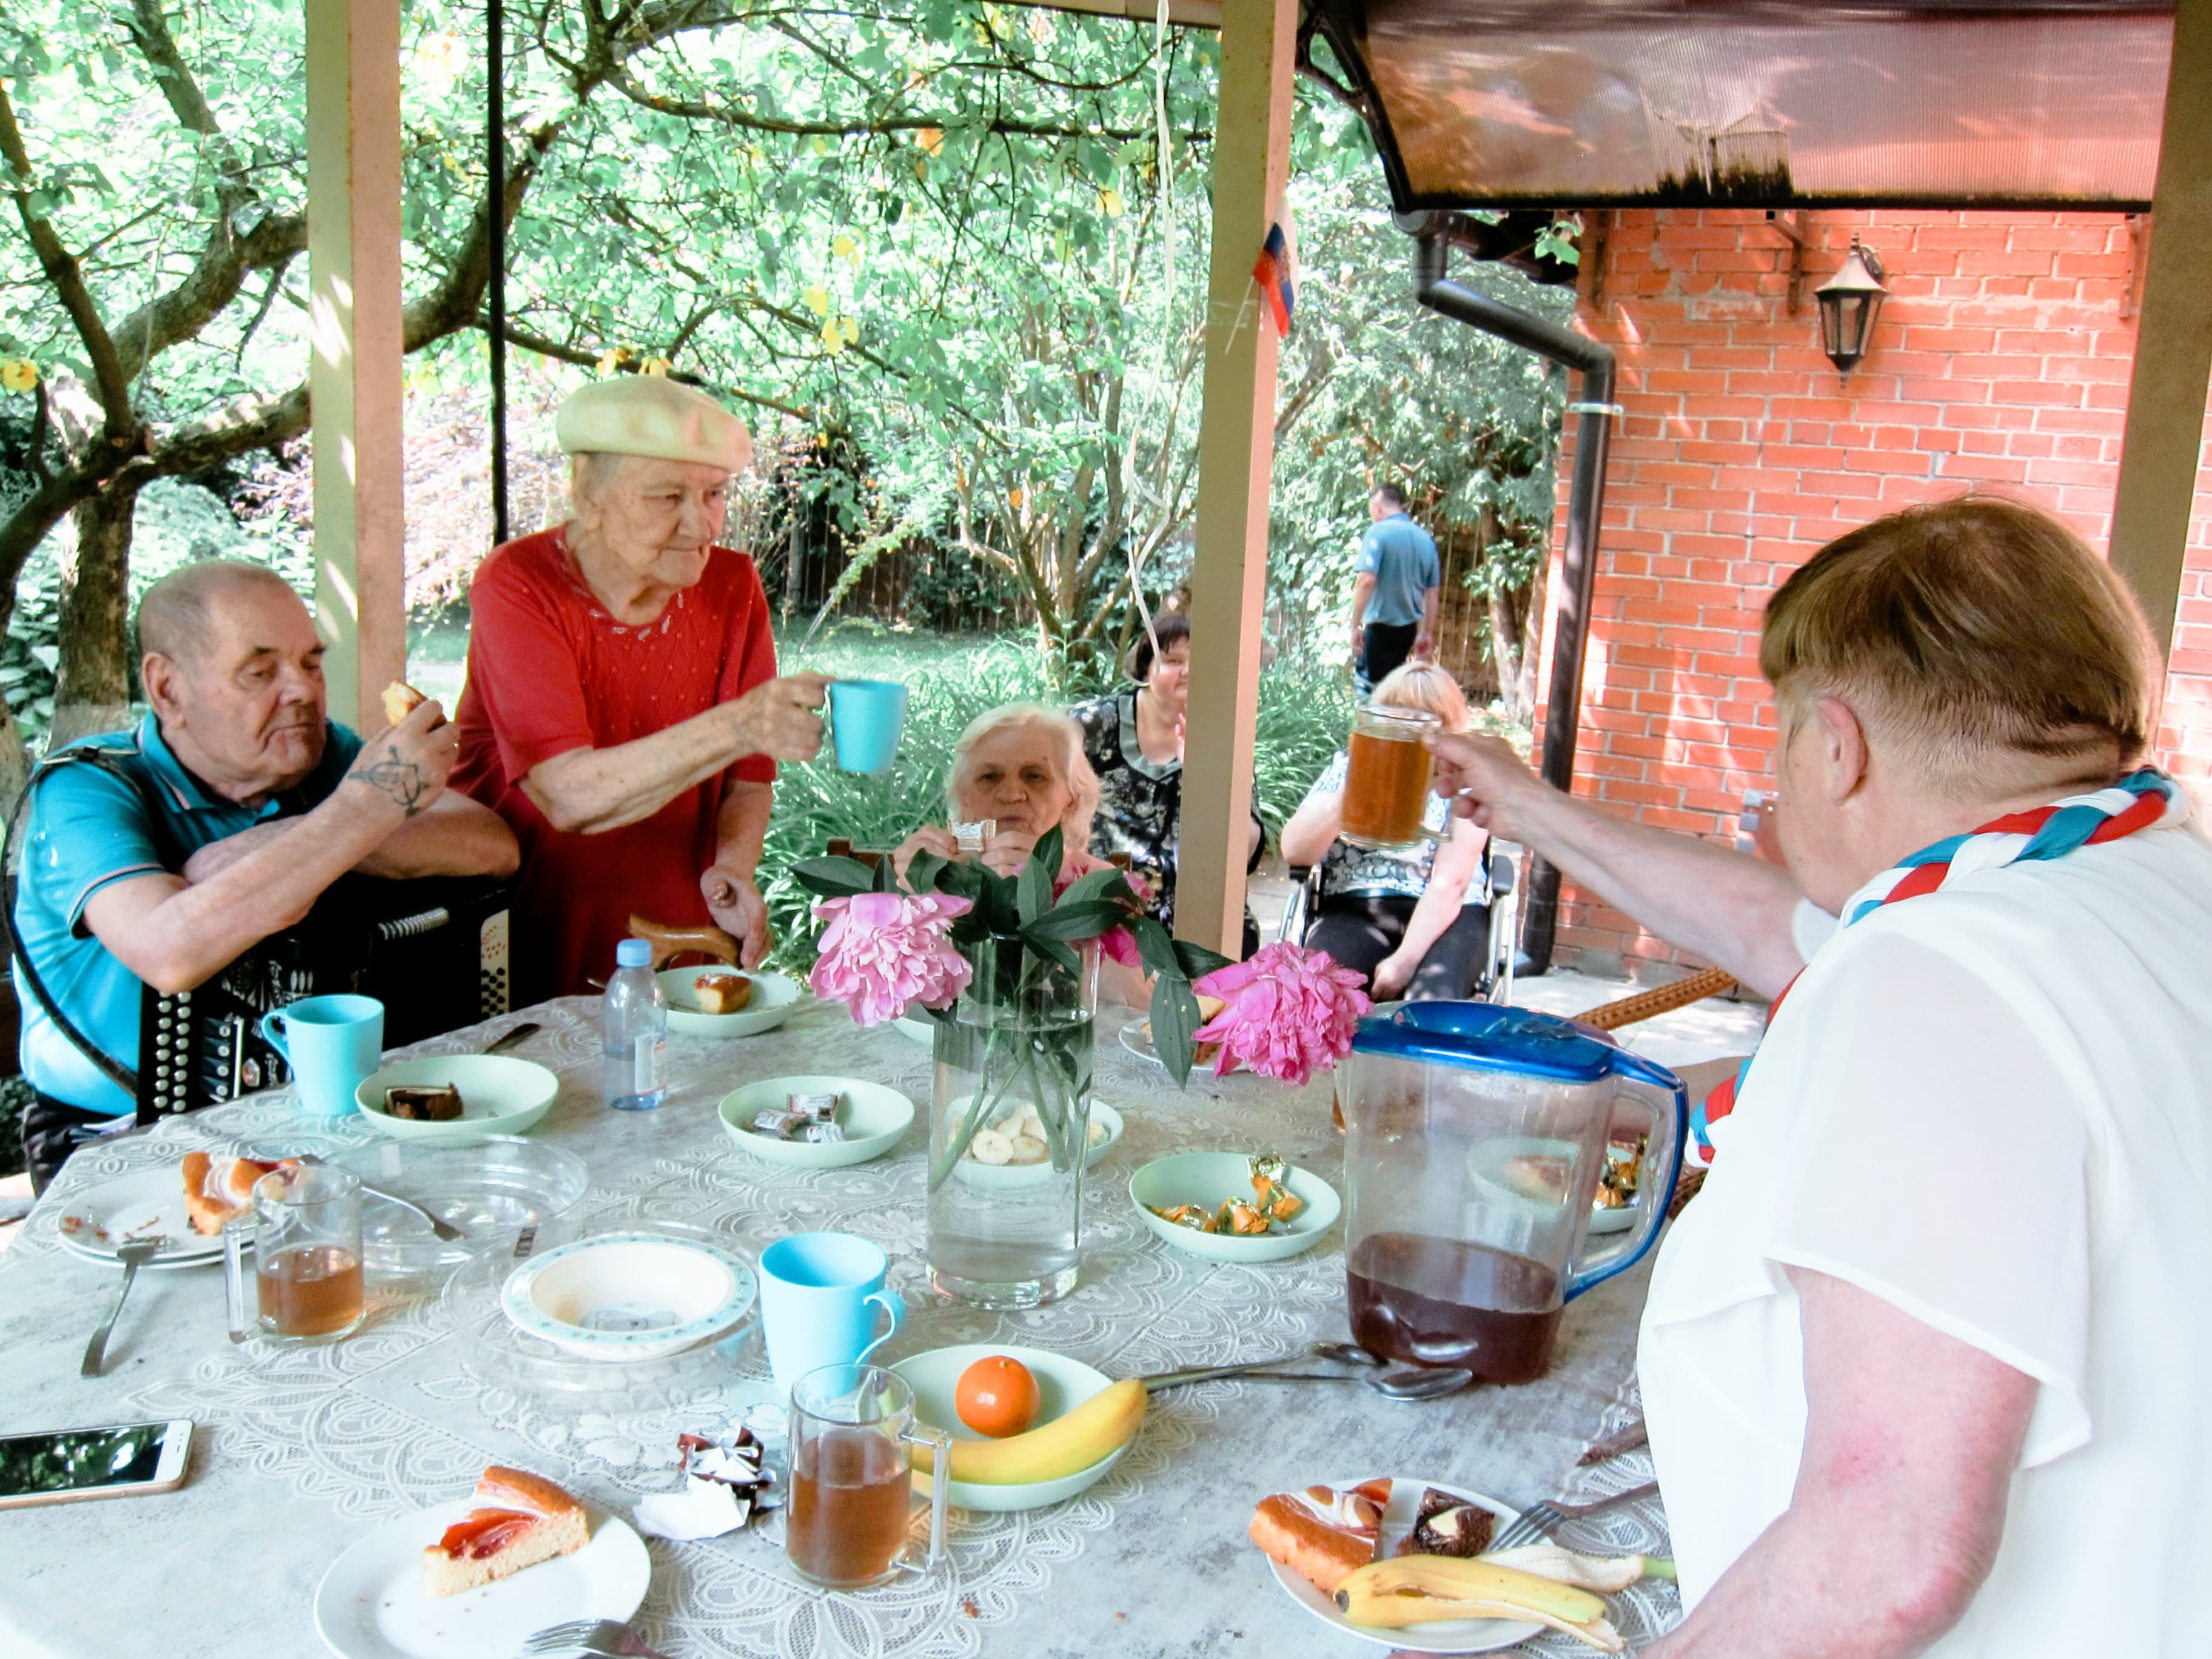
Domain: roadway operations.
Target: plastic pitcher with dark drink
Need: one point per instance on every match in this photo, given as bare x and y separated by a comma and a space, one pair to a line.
845, 1521
1475, 1140
1386, 780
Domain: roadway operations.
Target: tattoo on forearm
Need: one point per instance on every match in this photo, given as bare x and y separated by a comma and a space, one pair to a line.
400, 780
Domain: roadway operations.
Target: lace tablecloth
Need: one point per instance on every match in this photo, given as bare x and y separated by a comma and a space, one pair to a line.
304, 1450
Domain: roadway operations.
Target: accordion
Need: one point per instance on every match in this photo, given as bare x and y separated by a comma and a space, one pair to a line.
433, 950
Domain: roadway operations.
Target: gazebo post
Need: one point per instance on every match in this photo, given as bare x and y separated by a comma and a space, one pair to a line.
2157, 488
1237, 452
354, 375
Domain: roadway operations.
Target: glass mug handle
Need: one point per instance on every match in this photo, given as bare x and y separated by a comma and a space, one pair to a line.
940, 1484
244, 1318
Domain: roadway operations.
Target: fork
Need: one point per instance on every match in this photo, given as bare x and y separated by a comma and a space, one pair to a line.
608, 1637
133, 1256
1540, 1520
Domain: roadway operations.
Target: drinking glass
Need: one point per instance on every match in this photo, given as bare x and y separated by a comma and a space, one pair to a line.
852, 1481
1385, 783
305, 1228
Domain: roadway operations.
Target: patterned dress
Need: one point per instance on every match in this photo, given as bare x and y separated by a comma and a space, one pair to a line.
1139, 803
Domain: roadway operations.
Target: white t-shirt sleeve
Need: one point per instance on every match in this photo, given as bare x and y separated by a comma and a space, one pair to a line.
1937, 1161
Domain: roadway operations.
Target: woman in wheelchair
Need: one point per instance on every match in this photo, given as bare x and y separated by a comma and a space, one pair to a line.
1018, 770
1417, 923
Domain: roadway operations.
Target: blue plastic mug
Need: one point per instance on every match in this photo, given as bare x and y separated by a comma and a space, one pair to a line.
866, 719
332, 1043
820, 1294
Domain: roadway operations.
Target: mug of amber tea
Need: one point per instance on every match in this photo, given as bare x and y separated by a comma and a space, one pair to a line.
305, 1228
1385, 783
846, 1515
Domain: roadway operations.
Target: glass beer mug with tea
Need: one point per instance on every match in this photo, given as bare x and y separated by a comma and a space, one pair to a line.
305, 1228
1475, 1140
845, 1518
1386, 780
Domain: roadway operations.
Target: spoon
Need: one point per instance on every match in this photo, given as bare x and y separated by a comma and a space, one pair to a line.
1399, 1382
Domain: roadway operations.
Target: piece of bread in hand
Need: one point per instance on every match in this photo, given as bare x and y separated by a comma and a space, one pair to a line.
721, 993
519, 1520
401, 700
1321, 1533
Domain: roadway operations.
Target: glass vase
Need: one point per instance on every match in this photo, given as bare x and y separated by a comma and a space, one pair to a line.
1010, 1129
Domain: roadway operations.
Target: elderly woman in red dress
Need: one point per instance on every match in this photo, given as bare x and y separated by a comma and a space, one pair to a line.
623, 712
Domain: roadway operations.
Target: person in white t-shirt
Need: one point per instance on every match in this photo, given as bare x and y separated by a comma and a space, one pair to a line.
1924, 1364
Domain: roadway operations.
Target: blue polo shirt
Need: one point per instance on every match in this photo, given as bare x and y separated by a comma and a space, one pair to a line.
1401, 557
85, 829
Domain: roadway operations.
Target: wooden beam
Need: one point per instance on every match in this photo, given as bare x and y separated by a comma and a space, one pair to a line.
2158, 457
354, 376
1237, 456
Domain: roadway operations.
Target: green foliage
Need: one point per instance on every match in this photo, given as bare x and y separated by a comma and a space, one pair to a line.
1305, 712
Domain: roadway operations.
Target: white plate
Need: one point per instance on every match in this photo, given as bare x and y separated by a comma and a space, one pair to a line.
1137, 1038
973, 1172
921, 1028
625, 1297
148, 1205
500, 1095
372, 1603
1206, 1179
775, 998
1453, 1635
876, 1119
1062, 1385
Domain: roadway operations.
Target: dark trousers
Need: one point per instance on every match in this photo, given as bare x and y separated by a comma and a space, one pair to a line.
1384, 649
49, 1136
1359, 932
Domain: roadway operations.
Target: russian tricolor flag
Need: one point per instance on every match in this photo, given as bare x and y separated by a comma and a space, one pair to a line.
1275, 271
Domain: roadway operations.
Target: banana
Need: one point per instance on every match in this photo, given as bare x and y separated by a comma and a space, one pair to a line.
1067, 1445
1589, 1572
1421, 1590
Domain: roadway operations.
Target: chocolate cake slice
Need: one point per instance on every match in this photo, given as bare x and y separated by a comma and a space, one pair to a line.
1445, 1525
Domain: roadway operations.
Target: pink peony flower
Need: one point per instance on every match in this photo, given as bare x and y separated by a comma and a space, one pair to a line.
1291, 1012
884, 951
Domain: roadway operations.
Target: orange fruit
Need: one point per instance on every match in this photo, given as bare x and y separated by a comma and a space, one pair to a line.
996, 1396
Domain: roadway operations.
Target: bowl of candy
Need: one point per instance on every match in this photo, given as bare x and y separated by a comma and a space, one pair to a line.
815, 1122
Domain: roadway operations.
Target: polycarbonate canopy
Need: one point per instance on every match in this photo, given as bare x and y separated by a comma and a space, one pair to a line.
1596, 103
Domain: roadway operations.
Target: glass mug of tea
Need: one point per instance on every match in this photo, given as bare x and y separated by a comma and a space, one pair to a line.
305, 1228
1386, 780
845, 1518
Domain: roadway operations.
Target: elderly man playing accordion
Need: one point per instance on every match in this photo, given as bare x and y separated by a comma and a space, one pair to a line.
1924, 1364
622, 711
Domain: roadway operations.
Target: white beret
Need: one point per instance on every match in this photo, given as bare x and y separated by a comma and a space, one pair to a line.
651, 415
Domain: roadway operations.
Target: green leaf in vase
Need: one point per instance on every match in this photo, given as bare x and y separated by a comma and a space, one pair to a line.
923, 874
1050, 851
834, 878
1079, 921
1196, 961
1052, 950
1174, 1016
1085, 890
1033, 890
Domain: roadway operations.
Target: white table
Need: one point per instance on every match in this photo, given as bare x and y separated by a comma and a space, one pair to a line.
303, 1451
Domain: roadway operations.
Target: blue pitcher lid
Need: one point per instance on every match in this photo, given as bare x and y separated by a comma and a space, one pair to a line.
1484, 1034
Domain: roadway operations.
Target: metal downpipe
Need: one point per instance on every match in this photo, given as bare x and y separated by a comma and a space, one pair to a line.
1594, 409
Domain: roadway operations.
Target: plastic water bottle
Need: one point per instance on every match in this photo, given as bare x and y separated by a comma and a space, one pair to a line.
633, 1031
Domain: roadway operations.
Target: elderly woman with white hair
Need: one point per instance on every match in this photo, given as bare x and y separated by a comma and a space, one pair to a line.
623, 712
1018, 771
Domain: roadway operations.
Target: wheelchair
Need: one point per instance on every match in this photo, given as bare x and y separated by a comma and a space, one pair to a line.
1501, 960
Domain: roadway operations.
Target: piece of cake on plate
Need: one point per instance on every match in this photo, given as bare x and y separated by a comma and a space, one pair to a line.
1445, 1525
1322, 1534
721, 993
218, 1188
520, 1519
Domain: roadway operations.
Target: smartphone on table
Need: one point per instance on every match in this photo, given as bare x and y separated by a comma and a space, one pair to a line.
69, 1466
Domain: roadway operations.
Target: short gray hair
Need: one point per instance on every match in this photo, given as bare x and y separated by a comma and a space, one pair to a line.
174, 614
1067, 740
593, 471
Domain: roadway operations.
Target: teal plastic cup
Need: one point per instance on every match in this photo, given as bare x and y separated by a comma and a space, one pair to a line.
866, 719
820, 1297
332, 1043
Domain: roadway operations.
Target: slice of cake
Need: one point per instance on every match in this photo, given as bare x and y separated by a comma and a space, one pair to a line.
520, 1519
721, 993
1321, 1533
438, 1102
218, 1188
1445, 1525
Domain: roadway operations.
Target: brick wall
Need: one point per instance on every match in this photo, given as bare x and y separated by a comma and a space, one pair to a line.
2000, 360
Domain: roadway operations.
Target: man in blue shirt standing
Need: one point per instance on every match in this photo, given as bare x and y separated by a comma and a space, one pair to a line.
1394, 602
218, 822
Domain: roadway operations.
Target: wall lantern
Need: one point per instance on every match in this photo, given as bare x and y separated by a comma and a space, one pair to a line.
1849, 300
